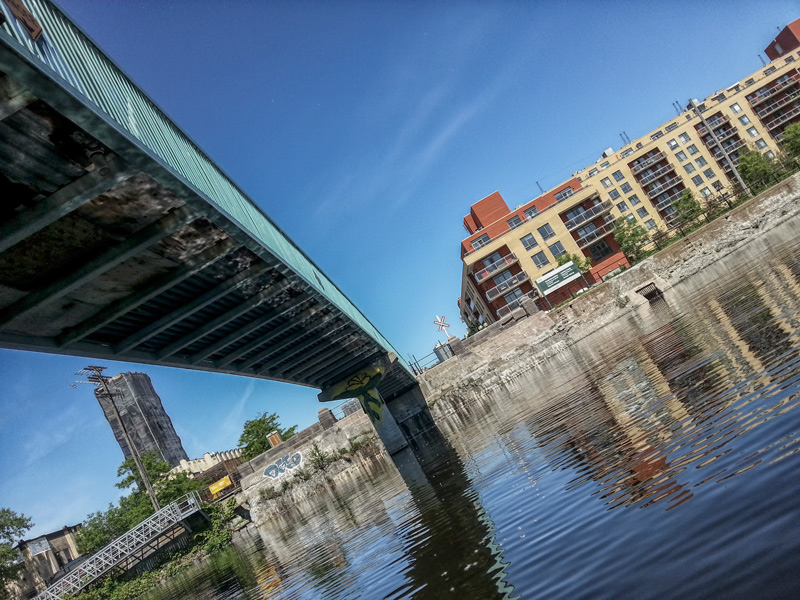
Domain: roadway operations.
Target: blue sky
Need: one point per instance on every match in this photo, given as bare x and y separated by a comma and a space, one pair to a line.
365, 130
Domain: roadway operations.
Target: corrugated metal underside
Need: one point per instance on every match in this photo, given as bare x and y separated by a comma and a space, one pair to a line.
102, 255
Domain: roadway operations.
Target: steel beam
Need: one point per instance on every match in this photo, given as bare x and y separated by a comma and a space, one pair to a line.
337, 355
296, 321
100, 264
224, 318
348, 365
16, 104
62, 202
231, 338
287, 342
124, 305
333, 348
183, 312
301, 349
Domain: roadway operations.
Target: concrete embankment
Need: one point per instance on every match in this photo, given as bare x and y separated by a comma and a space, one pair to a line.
526, 338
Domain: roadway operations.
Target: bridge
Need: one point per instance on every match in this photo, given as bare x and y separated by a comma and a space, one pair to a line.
129, 548
121, 239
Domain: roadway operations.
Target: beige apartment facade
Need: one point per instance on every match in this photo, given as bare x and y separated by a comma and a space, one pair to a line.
507, 250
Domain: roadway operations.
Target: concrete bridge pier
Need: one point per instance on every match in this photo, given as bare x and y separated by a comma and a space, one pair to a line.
398, 415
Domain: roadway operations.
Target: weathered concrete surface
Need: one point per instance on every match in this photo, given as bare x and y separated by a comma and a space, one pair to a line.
525, 338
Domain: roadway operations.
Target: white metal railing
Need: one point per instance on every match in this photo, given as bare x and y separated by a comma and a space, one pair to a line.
729, 148
758, 98
504, 310
656, 174
668, 200
591, 213
497, 266
713, 123
121, 548
663, 187
507, 285
643, 164
722, 136
783, 118
769, 108
598, 233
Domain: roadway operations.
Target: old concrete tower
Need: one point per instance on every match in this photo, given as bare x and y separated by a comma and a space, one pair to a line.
149, 426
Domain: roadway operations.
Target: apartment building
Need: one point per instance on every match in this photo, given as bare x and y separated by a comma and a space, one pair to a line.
507, 250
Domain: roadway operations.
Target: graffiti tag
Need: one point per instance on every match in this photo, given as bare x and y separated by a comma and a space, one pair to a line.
282, 465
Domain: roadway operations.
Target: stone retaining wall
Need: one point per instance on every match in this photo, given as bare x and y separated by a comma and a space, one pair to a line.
527, 337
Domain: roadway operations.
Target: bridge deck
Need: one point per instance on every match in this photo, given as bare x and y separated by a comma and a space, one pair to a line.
120, 239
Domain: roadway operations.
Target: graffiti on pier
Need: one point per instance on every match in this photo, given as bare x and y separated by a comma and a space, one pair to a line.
283, 465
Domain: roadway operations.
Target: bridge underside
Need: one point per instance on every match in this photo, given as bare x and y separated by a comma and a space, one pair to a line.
105, 252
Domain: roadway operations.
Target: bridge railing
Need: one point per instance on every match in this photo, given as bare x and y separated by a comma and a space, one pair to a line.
122, 547
73, 57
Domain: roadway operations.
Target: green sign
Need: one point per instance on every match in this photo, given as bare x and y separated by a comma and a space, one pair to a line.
558, 278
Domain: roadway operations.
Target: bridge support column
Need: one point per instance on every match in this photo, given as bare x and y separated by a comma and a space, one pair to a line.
363, 384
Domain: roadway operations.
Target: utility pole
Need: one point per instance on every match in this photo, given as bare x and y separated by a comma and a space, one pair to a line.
695, 107
95, 376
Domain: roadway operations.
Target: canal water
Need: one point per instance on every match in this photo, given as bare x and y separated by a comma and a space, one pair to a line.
658, 458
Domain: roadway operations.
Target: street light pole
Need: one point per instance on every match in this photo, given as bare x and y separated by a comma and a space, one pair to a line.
95, 375
695, 107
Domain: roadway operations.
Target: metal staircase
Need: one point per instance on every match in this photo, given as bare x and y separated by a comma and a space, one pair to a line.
125, 546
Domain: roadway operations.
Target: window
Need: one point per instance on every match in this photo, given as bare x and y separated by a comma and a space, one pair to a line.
622, 206
697, 180
618, 176
692, 149
684, 138
736, 108
564, 194
557, 250
626, 188
671, 127
720, 98
701, 162
753, 132
689, 168
586, 230
531, 212
600, 250
614, 195
529, 242
709, 173
717, 185
630, 218
750, 81
771, 70
642, 212
639, 145
491, 259
546, 231
514, 222
634, 200
604, 165
672, 144
593, 172
705, 192
769, 154
540, 259
744, 120
481, 241
650, 224
513, 295
626, 152
656, 135
761, 144
789, 59
681, 156
606, 182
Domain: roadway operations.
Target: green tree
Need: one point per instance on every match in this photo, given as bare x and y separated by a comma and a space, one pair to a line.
687, 207
631, 237
584, 263
791, 140
253, 440
12, 527
755, 168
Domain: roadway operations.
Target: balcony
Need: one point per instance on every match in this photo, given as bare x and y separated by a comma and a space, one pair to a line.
643, 164
656, 174
727, 167
595, 211
496, 267
507, 285
728, 133
595, 235
759, 98
783, 118
771, 108
713, 123
669, 200
669, 183
504, 310
729, 148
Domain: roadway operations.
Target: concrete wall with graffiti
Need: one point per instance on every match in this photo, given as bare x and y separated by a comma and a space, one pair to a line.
270, 468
